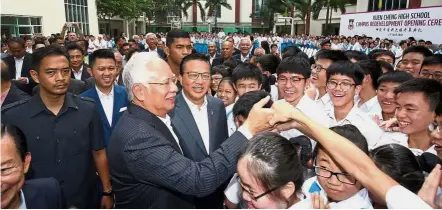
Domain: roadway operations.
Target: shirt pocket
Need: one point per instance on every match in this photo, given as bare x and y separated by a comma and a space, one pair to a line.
79, 140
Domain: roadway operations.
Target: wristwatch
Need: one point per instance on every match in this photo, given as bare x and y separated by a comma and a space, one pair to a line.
108, 193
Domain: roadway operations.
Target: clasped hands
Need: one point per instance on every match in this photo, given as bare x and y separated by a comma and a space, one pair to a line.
281, 116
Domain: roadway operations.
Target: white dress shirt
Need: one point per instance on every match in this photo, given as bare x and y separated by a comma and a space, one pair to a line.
22, 201
362, 121
402, 139
18, 66
313, 111
168, 124
212, 57
371, 107
324, 102
244, 58
107, 101
78, 74
400, 198
231, 125
201, 118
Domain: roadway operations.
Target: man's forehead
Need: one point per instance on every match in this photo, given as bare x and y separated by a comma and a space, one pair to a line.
181, 41
414, 55
433, 67
247, 81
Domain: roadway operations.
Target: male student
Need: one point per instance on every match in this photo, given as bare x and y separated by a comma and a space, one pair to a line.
324, 59
344, 80
413, 57
110, 99
416, 101
367, 100
432, 68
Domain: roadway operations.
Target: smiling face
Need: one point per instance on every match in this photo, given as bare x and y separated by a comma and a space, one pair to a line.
339, 96
436, 136
104, 72
196, 80
386, 97
335, 189
226, 93
319, 78
413, 112
246, 85
292, 86
412, 63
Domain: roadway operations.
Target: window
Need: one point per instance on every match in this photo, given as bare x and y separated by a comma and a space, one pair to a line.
76, 12
20, 25
381, 5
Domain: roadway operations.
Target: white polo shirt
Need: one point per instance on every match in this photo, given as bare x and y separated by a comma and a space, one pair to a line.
231, 126
402, 139
399, 197
362, 121
371, 107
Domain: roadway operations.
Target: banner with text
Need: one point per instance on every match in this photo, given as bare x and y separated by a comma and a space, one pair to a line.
423, 23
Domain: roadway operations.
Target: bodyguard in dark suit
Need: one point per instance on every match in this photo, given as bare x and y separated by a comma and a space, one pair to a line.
79, 69
199, 119
146, 160
75, 87
20, 64
110, 99
10, 92
44, 193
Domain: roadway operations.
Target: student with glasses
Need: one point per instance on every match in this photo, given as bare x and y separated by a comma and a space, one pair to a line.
436, 134
344, 80
432, 68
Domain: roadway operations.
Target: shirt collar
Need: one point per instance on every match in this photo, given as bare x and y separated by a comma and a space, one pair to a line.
102, 95
77, 72
22, 200
192, 105
19, 59
37, 106
350, 116
165, 120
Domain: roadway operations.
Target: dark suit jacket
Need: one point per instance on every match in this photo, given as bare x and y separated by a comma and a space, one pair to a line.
217, 61
84, 74
159, 51
238, 57
14, 94
120, 101
148, 169
25, 72
43, 193
75, 87
192, 142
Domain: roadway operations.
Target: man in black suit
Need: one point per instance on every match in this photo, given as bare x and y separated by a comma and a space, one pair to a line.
245, 45
9, 91
147, 164
75, 87
212, 52
152, 41
79, 69
43, 193
199, 119
20, 64
226, 53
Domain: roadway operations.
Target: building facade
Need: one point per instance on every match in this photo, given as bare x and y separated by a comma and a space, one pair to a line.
27, 17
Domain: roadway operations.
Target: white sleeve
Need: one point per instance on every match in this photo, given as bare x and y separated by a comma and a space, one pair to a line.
232, 192
400, 198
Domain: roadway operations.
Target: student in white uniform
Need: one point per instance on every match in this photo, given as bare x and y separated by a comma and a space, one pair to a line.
244, 104
355, 163
324, 58
336, 186
344, 80
293, 76
227, 93
416, 101
367, 100
436, 134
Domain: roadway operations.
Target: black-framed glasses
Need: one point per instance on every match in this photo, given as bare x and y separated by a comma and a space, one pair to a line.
318, 68
345, 86
435, 75
165, 82
255, 198
194, 75
293, 80
342, 177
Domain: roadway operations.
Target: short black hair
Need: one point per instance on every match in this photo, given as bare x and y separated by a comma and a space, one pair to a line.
131, 53
125, 44
221, 69
232, 64
191, 57
351, 133
269, 62
101, 54
348, 69
52, 50
429, 87
380, 52
395, 77
18, 137
247, 71
386, 65
295, 65
428, 42
293, 51
433, 60
17, 40
333, 55
175, 34
245, 103
131, 40
403, 42
5, 74
357, 55
73, 46
418, 49
373, 68
117, 38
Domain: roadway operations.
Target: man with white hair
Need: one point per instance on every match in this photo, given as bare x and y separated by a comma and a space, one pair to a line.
151, 42
244, 46
145, 155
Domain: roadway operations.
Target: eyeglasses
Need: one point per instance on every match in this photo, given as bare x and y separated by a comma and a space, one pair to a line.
214, 78
435, 75
194, 75
293, 80
165, 82
342, 177
255, 198
317, 68
345, 86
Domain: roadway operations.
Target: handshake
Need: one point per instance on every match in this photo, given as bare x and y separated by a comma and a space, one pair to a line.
281, 116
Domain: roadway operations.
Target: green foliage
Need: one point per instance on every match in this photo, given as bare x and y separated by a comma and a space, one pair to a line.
127, 9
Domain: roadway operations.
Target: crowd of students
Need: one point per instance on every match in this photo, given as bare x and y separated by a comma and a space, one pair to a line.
342, 129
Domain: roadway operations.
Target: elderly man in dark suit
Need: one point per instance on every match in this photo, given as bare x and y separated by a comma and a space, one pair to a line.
147, 164
199, 119
244, 45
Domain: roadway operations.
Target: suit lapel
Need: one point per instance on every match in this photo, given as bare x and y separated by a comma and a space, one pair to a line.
100, 106
186, 116
211, 112
117, 105
84, 73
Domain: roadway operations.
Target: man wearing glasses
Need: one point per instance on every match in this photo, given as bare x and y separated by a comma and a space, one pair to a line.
344, 80
432, 68
199, 118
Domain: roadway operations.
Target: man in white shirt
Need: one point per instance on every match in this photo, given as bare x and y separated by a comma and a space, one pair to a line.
79, 70
367, 100
151, 45
244, 45
199, 119
212, 51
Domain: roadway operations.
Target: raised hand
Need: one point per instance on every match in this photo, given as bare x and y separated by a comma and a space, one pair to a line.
259, 117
